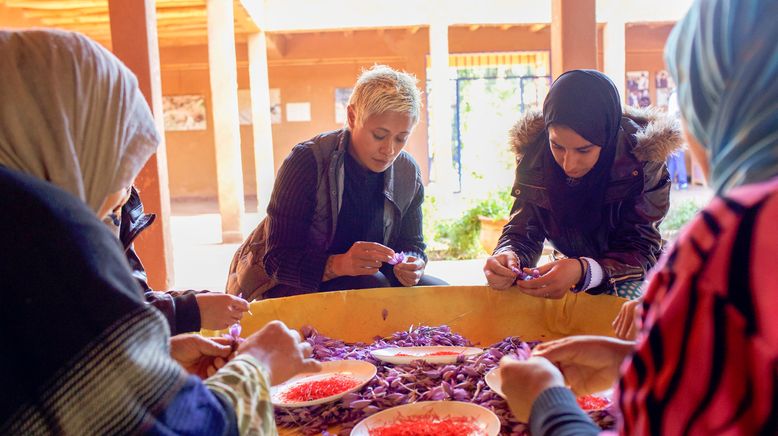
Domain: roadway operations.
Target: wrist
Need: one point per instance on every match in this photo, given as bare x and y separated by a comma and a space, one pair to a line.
584, 279
332, 267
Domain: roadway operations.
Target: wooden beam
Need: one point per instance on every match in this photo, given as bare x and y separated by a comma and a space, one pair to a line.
278, 44
56, 4
134, 41
257, 11
183, 16
224, 108
48, 13
243, 20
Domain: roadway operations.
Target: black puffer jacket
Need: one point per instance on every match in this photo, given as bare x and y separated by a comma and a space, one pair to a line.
179, 307
627, 243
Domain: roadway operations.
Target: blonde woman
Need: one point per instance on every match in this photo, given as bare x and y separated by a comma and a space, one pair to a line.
346, 205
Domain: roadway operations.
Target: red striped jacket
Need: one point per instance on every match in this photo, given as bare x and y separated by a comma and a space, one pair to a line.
706, 361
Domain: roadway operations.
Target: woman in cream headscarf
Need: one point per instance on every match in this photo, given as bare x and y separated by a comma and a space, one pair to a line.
705, 361
84, 354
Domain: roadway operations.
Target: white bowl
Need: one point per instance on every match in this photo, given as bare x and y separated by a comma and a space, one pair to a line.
494, 381
357, 369
393, 354
484, 418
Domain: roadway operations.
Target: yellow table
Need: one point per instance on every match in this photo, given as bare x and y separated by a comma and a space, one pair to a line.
479, 313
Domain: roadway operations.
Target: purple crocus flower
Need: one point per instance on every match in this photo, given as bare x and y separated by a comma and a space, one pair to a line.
397, 258
234, 332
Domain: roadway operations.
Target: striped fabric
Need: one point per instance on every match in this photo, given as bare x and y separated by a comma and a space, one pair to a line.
112, 387
707, 359
246, 387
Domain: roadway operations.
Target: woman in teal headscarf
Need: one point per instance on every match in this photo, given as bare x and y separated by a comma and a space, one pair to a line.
706, 360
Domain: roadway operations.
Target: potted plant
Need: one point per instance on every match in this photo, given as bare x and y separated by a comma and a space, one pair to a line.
491, 229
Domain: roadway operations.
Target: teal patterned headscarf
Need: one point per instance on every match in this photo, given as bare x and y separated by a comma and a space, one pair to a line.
724, 57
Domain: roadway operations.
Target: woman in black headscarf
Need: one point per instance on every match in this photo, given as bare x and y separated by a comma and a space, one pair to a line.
592, 180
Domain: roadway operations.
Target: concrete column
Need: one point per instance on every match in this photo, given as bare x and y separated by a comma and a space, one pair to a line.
573, 36
614, 52
440, 108
223, 71
260, 119
134, 41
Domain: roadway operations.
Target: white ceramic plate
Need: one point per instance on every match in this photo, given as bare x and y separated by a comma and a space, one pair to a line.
484, 418
406, 355
494, 381
359, 370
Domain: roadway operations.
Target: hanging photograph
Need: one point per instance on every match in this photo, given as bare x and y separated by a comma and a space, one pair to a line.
637, 89
184, 112
664, 88
341, 103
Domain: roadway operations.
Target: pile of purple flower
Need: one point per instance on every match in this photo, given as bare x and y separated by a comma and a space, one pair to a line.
395, 385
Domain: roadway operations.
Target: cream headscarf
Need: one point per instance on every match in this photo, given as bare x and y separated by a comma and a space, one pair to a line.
72, 114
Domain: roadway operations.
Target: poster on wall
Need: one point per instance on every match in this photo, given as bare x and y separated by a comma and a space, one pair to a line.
298, 112
244, 106
184, 112
664, 88
275, 105
637, 89
341, 103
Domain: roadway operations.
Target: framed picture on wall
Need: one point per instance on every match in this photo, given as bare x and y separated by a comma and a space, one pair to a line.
184, 112
341, 103
637, 89
664, 88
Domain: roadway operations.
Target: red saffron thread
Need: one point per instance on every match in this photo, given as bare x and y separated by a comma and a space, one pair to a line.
591, 402
429, 424
317, 389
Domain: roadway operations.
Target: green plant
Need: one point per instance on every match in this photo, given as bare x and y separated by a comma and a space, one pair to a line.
680, 214
460, 236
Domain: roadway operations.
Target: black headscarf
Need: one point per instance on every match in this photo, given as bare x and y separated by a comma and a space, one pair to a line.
587, 102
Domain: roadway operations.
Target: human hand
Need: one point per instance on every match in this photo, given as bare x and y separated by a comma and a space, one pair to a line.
524, 381
362, 259
410, 271
590, 364
556, 279
198, 355
627, 322
280, 351
219, 311
499, 269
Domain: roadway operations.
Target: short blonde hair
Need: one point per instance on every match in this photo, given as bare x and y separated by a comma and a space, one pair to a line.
382, 89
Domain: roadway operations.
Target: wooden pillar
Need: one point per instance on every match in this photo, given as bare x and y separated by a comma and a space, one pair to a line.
614, 52
573, 36
134, 41
441, 114
226, 127
260, 119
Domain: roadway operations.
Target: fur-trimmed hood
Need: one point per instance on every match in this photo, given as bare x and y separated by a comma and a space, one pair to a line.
658, 136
